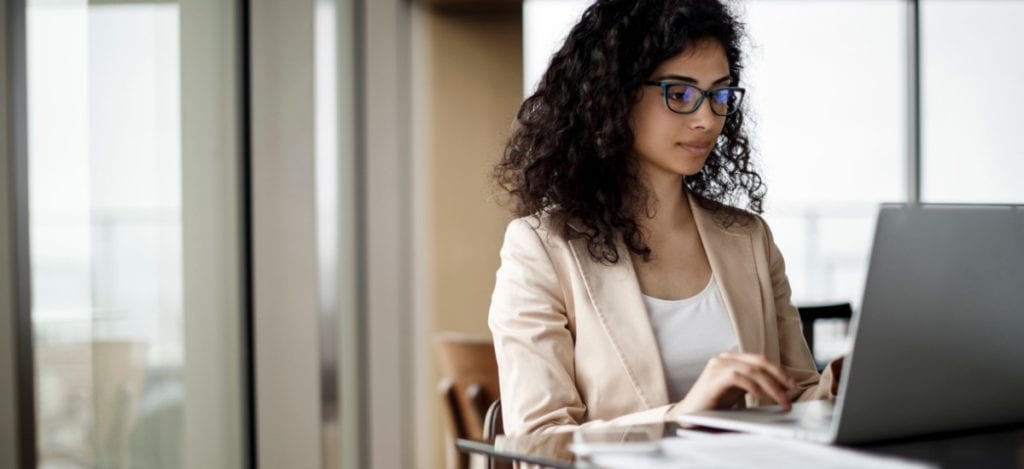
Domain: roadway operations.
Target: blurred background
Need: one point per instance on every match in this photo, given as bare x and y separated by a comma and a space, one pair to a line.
233, 232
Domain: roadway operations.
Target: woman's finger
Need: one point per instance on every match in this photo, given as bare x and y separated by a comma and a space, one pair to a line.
772, 387
735, 378
736, 371
771, 368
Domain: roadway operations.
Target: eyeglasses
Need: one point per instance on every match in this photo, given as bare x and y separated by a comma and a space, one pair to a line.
682, 98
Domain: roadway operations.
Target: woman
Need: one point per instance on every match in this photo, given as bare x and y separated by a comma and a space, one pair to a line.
631, 290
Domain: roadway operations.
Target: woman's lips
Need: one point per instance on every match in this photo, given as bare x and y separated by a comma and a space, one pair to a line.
696, 147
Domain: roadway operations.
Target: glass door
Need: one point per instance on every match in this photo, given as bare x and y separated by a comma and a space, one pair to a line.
135, 232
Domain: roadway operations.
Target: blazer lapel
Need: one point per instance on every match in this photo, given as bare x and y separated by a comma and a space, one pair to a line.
615, 293
731, 255
618, 302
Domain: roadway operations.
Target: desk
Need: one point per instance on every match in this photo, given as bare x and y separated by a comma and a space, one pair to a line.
998, 447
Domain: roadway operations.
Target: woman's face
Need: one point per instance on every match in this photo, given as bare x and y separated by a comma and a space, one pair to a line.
671, 144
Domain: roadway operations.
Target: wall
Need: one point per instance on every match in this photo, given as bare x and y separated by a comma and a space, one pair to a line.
467, 86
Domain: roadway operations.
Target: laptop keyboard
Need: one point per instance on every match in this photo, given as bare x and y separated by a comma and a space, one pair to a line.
805, 414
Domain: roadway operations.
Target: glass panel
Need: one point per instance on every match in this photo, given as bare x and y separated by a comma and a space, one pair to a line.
831, 127
546, 23
831, 159
971, 98
134, 236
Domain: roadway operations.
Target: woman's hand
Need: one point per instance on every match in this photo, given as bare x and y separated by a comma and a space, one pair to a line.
728, 376
836, 366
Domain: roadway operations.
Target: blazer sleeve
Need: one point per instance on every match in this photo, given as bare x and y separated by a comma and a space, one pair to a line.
794, 355
534, 345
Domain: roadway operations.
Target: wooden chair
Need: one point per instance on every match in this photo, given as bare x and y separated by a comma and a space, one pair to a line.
469, 386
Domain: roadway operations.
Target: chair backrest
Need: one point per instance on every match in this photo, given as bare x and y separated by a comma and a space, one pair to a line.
492, 421
809, 314
469, 384
492, 429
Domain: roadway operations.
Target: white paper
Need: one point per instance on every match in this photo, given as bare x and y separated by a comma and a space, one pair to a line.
745, 450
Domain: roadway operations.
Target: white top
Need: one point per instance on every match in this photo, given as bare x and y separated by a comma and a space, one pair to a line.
690, 332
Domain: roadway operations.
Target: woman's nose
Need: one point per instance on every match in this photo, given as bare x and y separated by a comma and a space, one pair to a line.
702, 118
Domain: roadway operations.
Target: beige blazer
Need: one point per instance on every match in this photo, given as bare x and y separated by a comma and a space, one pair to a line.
574, 343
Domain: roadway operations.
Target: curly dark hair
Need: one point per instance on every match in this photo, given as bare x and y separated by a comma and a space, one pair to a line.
570, 155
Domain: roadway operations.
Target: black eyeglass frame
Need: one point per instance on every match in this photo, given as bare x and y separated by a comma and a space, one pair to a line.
700, 100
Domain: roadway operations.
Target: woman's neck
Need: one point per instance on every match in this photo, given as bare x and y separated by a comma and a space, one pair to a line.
670, 209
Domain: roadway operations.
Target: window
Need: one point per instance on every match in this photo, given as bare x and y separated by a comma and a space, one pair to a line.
971, 101
830, 160
133, 177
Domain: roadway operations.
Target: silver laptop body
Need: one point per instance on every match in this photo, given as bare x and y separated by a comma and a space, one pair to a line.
939, 342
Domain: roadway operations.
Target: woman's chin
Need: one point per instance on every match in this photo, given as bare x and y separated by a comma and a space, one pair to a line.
690, 169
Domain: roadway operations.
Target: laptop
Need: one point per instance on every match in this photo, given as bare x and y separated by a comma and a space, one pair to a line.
937, 345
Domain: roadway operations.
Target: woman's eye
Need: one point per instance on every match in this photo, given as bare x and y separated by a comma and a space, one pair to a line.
685, 95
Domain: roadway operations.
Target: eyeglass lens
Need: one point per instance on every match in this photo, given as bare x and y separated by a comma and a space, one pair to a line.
686, 98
